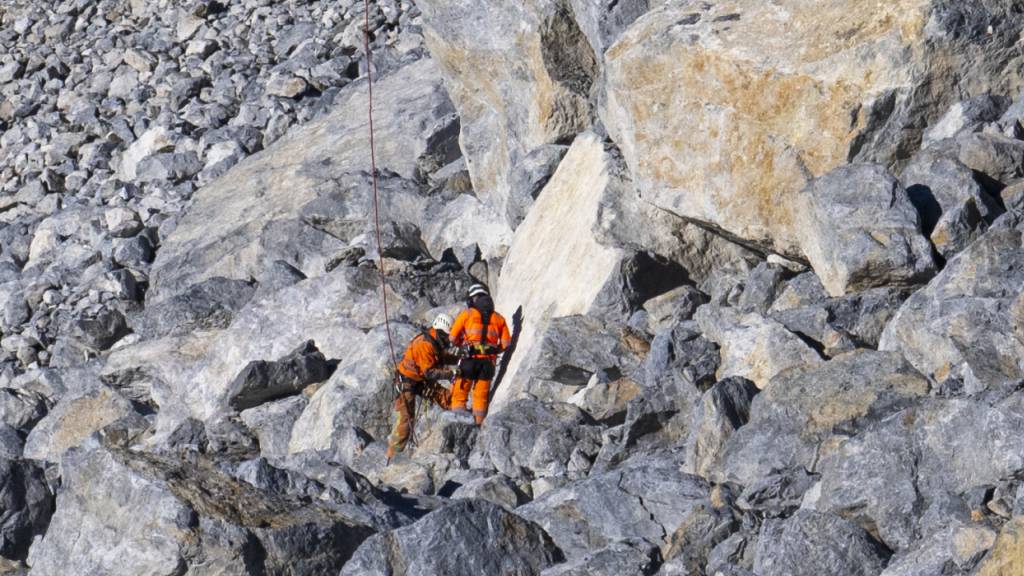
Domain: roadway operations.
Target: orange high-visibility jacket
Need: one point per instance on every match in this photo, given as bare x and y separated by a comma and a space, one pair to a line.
468, 329
421, 358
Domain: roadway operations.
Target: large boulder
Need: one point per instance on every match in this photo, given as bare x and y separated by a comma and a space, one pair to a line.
960, 330
469, 537
530, 439
786, 91
520, 75
803, 407
811, 543
121, 512
754, 347
914, 473
859, 230
646, 497
555, 266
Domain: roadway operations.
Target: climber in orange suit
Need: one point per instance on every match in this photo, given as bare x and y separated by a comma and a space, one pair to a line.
483, 334
418, 372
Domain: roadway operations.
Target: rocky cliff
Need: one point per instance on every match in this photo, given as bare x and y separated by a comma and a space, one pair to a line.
764, 262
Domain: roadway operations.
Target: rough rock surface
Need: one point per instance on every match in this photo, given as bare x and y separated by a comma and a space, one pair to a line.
447, 541
782, 98
860, 230
959, 329
741, 346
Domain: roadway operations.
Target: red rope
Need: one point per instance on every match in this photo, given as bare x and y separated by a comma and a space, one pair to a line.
376, 198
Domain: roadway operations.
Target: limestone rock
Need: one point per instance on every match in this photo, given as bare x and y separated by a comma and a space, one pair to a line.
621, 558
753, 347
955, 208
470, 537
646, 497
520, 76
73, 420
859, 230
304, 170
1007, 556
722, 410
958, 329
198, 519
745, 74
528, 439
262, 381
803, 406
814, 543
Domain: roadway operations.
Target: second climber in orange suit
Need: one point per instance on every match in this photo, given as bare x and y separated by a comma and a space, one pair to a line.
484, 334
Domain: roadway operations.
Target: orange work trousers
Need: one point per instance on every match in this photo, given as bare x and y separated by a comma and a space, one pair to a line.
475, 376
405, 410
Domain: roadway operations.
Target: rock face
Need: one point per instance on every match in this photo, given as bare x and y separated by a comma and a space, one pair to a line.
520, 75
465, 538
540, 266
742, 346
862, 231
743, 75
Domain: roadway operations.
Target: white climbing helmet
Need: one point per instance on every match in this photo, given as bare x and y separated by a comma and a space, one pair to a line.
443, 322
477, 289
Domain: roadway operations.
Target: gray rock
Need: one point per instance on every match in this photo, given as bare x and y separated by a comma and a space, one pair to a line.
965, 117
470, 537
603, 21
123, 222
286, 86
958, 330
861, 231
802, 407
575, 348
647, 497
272, 423
529, 439
761, 287
199, 519
529, 177
997, 158
498, 489
210, 304
169, 166
814, 543
753, 347
26, 504
622, 558
722, 410
955, 208
263, 381
777, 495
73, 420
692, 543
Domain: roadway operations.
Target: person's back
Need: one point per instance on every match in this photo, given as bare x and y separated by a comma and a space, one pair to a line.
482, 333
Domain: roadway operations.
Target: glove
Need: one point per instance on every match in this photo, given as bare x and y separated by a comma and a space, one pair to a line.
440, 374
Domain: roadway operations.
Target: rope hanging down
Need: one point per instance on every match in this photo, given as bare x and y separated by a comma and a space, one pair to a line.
376, 199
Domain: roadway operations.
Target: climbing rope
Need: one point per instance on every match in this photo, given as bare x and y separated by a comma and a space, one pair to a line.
376, 198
